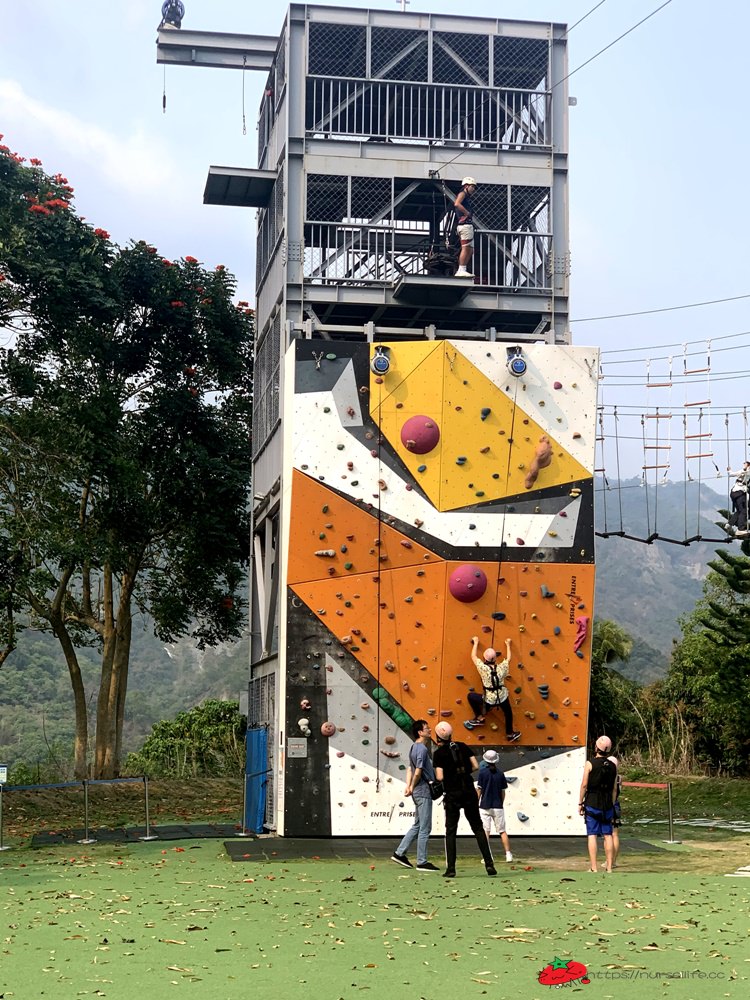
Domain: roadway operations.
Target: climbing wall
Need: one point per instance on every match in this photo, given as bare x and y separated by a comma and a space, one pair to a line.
445, 498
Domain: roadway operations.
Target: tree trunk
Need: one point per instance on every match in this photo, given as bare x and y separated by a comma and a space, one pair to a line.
110, 711
80, 744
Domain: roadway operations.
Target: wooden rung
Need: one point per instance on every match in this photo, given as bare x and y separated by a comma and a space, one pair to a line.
654, 447
695, 371
600, 470
655, 466
658, 416
705, 454
690, 437
700, 402
658, 385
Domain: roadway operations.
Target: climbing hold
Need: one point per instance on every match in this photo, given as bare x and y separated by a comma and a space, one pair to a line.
540, 725
328, 729
420, 435
517, 690
406, 544
485, 412
543, 691
533, 791
461, 460
418, 523
566, 701
305, 705
522, 816
557, 385
520, 541
467, 583
446, 713
553, 715
389, 740
546, 592
322, 553
542, 458
483, 451
552, 534
498, 615
557, 630
339, 447
348, 565
389, 666
321, 536
575, 492
326, 409
529, 715
421, 468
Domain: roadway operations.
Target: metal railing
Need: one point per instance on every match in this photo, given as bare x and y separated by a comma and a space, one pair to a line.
380, 254
378, 110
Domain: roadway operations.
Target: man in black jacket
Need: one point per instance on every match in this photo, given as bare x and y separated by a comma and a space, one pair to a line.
454, 765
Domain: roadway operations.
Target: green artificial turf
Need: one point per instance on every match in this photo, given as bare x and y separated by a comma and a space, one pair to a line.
152, 920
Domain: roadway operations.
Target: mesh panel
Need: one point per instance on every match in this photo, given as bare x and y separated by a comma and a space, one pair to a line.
529, 209
327, 198
371, 197
266, 383
491, 205
460, 58
280, 67
398, 54
521, 62
337, 50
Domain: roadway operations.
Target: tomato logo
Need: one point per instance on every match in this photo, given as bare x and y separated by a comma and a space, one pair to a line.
560, 973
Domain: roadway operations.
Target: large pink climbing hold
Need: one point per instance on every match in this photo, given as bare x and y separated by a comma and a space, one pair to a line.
328, 729
582, 629
467, 583
420, 435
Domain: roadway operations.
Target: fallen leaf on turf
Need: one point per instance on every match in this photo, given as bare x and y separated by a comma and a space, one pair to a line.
171, 941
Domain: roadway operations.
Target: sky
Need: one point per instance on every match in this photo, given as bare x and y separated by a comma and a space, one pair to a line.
659, 146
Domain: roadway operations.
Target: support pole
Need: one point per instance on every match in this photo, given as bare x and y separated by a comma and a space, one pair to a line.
2, 848
86, 838
669, 807
148, 834
244, 831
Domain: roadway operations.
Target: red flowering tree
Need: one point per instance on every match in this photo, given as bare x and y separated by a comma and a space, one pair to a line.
125, 414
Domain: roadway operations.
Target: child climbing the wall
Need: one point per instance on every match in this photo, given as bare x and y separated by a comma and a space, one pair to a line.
494, 692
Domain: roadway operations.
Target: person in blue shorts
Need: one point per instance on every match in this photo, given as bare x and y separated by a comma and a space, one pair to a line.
596, 801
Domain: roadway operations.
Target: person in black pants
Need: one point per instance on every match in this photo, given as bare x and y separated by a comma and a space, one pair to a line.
454, 765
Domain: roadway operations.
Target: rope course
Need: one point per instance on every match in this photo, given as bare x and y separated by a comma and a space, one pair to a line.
654, 443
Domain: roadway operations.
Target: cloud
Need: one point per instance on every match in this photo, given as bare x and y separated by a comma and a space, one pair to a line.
136, 163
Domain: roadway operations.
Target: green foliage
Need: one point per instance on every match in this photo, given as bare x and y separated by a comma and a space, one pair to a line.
207, 741
124, 443
610, 701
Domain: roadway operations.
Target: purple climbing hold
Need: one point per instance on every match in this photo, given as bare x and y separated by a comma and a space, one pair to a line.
420, 435
467, 583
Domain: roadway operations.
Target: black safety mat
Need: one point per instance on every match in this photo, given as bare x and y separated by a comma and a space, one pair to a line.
346, 849
132, 834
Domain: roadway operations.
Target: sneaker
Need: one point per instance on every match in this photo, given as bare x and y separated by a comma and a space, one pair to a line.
463, 273
491, 870
449, 873
512, 737
473, 723
401, 859
427, 867
508, 856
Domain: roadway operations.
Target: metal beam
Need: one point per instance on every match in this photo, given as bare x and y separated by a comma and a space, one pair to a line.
216, 49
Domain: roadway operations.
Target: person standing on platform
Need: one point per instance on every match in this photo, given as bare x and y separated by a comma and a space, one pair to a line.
738, 523
464, 210
454, 765
419, 773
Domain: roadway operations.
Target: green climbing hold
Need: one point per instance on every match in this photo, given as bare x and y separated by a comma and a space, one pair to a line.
348, 565
324, 508
330, 357
399, 716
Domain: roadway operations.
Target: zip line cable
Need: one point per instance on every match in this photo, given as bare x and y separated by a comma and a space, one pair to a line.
650, 312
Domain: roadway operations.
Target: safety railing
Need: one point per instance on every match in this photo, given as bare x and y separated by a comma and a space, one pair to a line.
379, 254
85, 785
386, 111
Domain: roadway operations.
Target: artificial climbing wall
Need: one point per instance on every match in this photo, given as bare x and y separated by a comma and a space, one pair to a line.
443, 499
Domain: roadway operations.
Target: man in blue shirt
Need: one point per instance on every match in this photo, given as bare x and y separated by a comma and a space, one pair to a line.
418, 774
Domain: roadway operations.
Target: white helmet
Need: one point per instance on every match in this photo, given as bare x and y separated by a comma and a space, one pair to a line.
468, 180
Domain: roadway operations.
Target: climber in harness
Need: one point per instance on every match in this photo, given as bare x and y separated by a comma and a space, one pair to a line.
738, 524
495, 692
465, 216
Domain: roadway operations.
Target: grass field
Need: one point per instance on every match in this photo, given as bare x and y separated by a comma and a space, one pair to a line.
152, 919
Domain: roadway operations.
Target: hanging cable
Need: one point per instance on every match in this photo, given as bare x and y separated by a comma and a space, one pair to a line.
244, 69
164, 92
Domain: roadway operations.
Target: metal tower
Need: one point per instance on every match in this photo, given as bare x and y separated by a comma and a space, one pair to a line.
368, 121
